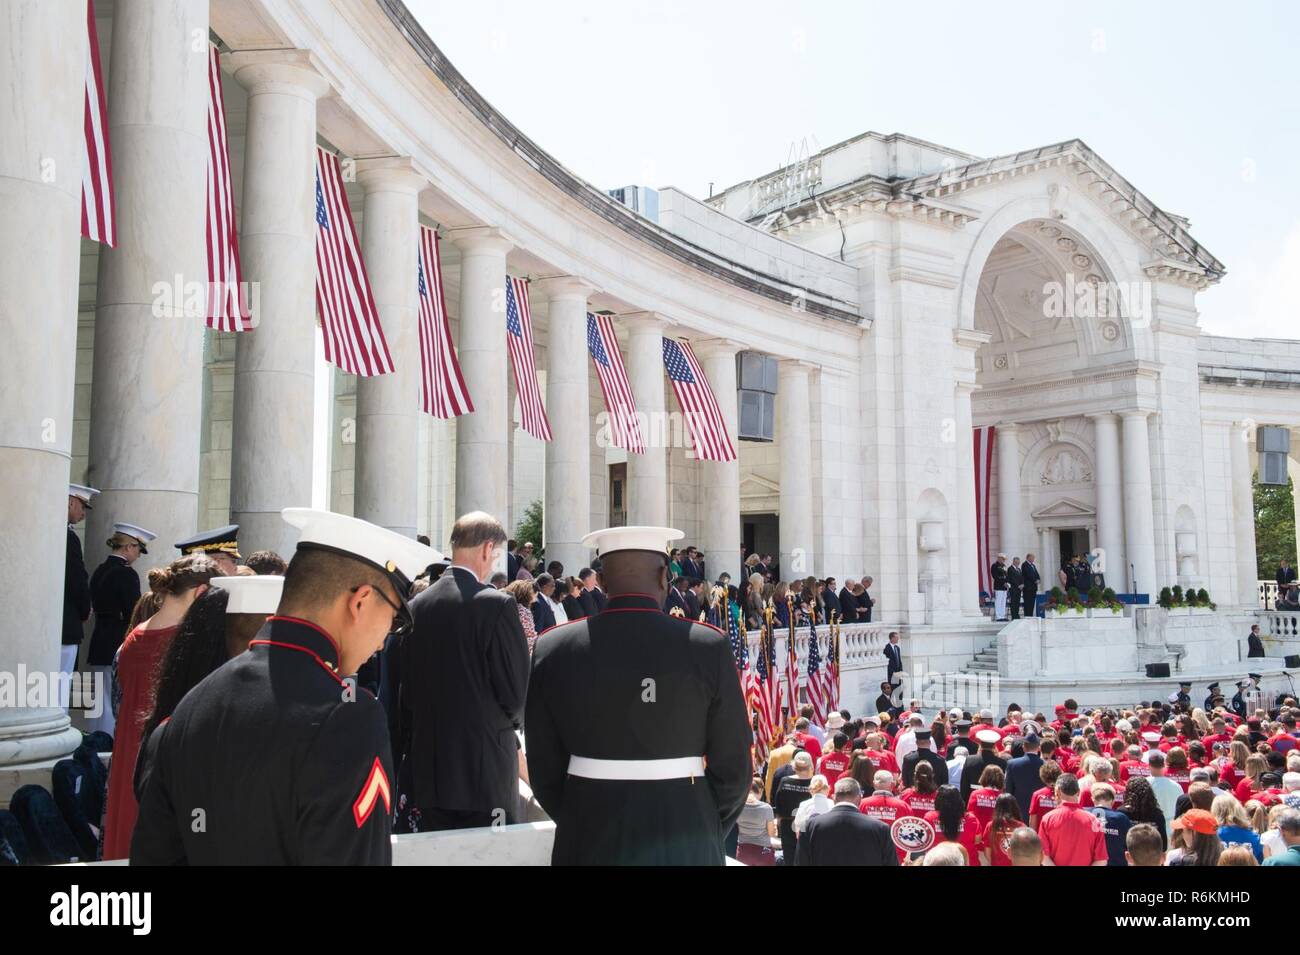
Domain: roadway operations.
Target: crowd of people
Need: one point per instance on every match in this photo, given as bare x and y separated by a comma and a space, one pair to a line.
1154, 784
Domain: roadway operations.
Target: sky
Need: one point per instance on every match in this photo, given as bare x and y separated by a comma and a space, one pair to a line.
1195, 103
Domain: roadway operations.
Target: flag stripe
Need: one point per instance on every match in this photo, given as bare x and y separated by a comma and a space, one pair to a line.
614, 384
708, 430
354, 338
519, 335
443, 393
98, 218
227, 307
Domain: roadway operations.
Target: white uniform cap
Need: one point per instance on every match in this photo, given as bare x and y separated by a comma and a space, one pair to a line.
1151, 736
133, 530
252, 594
361, 539
1173, 697
955, 713
638, 537
82, 492
992, 737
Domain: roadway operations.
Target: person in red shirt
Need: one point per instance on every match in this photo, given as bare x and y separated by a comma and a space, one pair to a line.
1256, 766
952, 823
883, 805
1071, 835
983, 799
809, 742
920, 795
882, 757
834, 763
1177, 767
1043, 800
993, 841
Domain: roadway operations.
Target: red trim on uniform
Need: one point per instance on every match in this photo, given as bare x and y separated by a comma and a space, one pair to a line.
375, 786
307, 623
293, 646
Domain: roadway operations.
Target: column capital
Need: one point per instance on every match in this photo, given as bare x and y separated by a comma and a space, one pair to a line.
711, 347
1136, 413
1101, 415
295, 72
481, 240
794, 366
390, 174
645, 323
564, 286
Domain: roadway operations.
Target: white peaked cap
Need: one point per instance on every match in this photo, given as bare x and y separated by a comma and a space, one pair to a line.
988, 736
251, 594
83, 492
133, 530
632, 538
361, 539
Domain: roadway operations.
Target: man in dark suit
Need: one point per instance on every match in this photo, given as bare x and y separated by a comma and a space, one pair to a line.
831, 601
848, 605
1030, 579
1015, 580
845, 836
543, 615
893, 657
592, 597
464, 676
1285, 576
924, 754
677, 597
1022, 775
693, 565
513, 560
865, 603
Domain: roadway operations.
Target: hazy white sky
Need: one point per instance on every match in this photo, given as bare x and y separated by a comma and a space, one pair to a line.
1196, 103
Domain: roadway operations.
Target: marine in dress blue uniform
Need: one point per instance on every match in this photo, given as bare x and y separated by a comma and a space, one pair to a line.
635, 726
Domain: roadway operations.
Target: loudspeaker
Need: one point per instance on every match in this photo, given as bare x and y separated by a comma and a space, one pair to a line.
1292, 661
1158, 671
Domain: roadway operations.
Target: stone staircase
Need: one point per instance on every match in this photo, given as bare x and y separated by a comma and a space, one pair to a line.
986, 661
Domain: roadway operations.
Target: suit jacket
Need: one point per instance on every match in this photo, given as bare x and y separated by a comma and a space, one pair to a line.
910, 761
693, 569
1022, 780
692, 605
894, 657
865, 603
590, 605
675, 599
513, 563
1030, 576
832, 603
1285, 576
844, 836
76, 592
1015, 576
543, 615
464, 675
848, 605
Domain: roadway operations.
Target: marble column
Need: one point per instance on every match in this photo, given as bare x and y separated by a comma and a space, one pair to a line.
567, 512
647, 474
1241, 437
720, 480
388, 406
968, 571
275, 364
794, 427
1110, 502
482, 451
1010, 518
146, 406
1139, 520
43, 75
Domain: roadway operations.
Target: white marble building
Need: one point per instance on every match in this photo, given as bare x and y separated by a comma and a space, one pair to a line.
911, 292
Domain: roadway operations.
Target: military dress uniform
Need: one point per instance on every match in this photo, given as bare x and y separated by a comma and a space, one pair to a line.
114, 590
636, 732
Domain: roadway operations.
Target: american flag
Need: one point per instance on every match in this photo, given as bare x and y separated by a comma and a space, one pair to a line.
625, 432
792, 659
519, 333
98, 219
227, 309
442, 387
708, 430
354, 339
832, 677
768, 686
816, 686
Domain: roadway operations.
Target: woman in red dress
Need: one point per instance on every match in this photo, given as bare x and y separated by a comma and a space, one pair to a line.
137, 673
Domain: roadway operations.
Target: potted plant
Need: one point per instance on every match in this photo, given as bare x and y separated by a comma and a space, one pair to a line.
1203, 604
1174, 601
1102, 603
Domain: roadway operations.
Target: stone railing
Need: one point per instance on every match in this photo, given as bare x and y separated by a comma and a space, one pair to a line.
861, 645
1267, 593
1282, 624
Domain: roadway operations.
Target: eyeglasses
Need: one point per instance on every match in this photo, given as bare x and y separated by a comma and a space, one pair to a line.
402, 621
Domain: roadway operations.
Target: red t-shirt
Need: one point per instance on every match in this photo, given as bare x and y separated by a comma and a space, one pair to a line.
917, 803
1213, 738
1182, 777
1243, 790
996, 842
1128, 768
885, 808
968, 834
1085, 796
1229, 774
832, 765
1042, 802
1072, 836
981, 804
884, 759
1282, 742
810, 744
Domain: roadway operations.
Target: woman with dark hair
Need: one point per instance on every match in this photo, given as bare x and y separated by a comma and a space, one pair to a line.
939, 736
1140, 806
572, 607
920, 796
996, 837
952, 823
178, 585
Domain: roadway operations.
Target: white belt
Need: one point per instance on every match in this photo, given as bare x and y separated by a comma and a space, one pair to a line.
639, 769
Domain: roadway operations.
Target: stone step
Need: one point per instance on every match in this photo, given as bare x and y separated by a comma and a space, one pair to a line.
980, 666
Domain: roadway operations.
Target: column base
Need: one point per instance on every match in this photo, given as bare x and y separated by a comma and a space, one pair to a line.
34, 735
